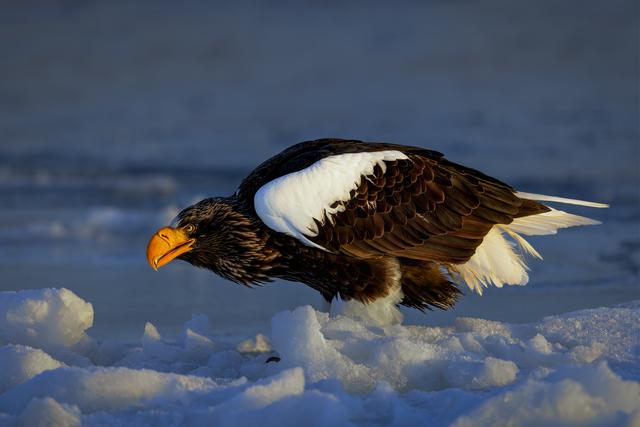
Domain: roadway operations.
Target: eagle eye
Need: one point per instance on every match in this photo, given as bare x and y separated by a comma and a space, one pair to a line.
189, 228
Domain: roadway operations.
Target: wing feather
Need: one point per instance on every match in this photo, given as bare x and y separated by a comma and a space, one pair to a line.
422, 209
370, 200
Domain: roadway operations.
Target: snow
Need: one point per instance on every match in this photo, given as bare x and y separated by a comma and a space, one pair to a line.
20, 363
44, 317
47, 412
114, 132
339, 368
584, 395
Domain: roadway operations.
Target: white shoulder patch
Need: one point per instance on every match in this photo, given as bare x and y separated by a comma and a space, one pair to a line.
289, 204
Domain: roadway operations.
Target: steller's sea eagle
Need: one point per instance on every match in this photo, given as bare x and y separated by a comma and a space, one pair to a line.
359, 220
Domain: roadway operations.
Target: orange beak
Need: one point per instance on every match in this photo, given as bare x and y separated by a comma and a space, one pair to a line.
167, 244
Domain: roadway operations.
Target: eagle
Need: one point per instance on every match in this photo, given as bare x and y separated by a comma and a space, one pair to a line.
360, 220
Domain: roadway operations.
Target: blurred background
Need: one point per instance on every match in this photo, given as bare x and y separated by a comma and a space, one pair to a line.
115, 115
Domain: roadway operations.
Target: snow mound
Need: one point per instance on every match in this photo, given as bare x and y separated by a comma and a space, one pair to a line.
584, 395
20, 363
47, 412
344, 368
44, 318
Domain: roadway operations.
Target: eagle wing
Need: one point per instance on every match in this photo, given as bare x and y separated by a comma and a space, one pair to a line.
372, 200
418, 208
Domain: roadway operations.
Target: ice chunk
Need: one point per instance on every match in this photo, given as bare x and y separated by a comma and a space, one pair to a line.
481, 375
263, 393
587, 353
199, 324
259, 344
585, 395
197, 347
154, 347
44, 318
47, 412
540, 345
189, 352
403, 363
297, 338
19, 363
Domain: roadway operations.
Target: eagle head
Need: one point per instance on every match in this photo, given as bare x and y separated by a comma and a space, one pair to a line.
215, 234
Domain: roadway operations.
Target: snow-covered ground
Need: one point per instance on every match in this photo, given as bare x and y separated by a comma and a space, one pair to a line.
576, 369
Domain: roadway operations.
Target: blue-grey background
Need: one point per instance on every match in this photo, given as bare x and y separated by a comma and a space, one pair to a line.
115, 115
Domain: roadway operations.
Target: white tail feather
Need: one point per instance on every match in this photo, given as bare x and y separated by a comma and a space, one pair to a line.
526, 246
548, 223
543, 198
495, 261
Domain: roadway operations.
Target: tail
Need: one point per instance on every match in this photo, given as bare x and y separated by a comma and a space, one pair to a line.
543, 198
495, 261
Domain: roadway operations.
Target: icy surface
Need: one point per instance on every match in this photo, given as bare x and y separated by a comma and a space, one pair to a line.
347, 369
